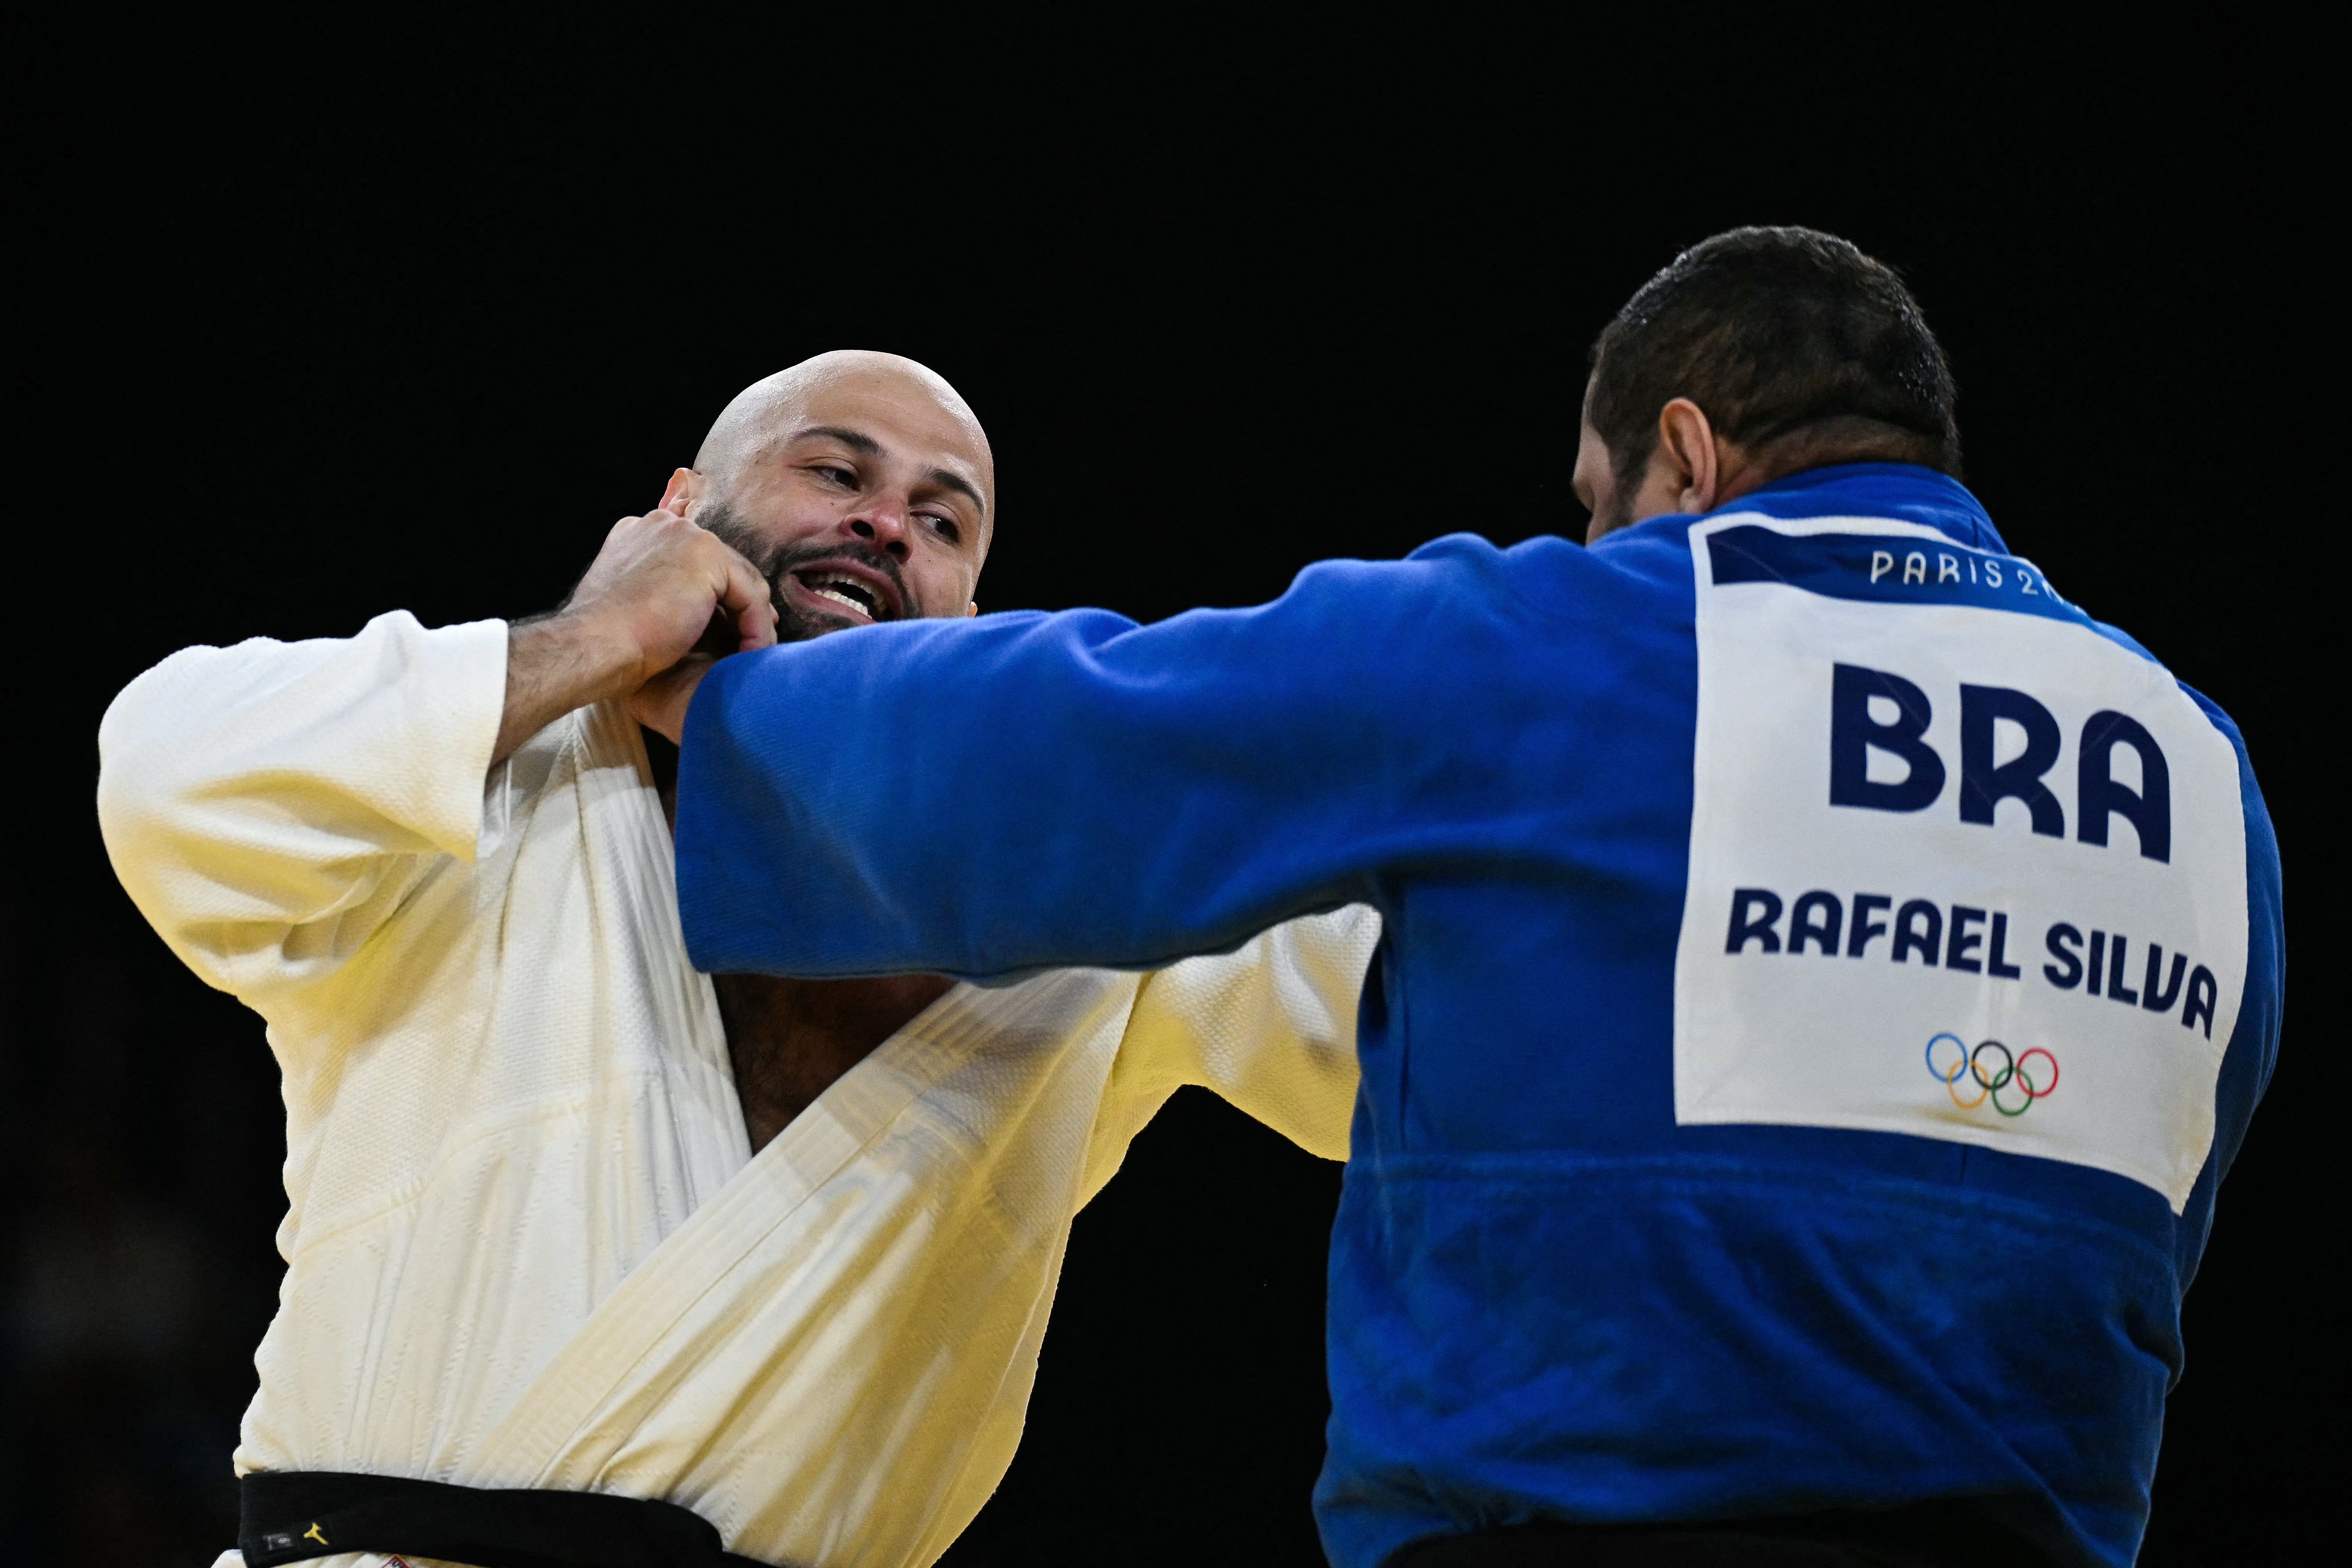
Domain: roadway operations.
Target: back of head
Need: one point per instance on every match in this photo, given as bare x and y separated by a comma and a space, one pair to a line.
1796, 346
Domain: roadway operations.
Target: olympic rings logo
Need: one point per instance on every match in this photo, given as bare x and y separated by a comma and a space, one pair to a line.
2011, 1074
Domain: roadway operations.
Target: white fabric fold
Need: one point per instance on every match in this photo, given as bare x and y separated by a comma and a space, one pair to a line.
527, 1243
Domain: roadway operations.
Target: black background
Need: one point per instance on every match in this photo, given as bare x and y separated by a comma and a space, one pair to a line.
310, 327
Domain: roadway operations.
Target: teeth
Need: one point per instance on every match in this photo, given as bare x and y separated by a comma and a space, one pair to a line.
845, 590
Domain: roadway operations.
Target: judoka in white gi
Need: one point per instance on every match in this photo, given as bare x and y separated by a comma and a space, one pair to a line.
545, 1229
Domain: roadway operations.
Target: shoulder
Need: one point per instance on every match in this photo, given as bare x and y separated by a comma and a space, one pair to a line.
2213, 712
1469, 568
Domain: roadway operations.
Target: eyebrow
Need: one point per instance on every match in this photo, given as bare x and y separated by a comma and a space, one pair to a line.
948, 480
867, 446
858, 441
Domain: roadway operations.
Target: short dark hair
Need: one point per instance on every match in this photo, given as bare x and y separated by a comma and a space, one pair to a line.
1781, 335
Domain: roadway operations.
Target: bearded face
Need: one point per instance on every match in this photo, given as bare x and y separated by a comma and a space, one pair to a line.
840, 583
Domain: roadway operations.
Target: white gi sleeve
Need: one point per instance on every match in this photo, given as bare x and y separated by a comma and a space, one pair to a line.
1270, 1028
268, 805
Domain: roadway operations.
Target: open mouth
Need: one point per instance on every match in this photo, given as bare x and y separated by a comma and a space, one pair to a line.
839, 588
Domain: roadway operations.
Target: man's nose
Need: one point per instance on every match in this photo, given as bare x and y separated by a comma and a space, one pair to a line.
885, 527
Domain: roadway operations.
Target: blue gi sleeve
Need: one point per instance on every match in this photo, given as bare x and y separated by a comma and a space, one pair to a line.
991, 796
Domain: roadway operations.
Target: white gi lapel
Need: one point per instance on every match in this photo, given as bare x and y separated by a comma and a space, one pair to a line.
803, 1360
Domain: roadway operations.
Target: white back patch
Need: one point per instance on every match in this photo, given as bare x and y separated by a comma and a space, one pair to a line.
1961, 866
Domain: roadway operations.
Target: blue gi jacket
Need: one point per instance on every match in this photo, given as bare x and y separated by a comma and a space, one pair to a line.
1674, 1192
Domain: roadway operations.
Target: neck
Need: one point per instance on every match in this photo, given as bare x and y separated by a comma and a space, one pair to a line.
1849, 439
788, 1040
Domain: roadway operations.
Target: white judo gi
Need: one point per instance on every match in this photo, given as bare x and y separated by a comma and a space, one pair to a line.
526, 1242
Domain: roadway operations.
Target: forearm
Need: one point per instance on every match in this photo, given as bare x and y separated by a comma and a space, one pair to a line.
248, 793
558, 663
1026, 792
659, 587
266, 805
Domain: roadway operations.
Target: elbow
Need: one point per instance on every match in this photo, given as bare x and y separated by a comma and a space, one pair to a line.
139, 795
131, 807
133, 822
136, 747
221, 917
151, 749
145, 800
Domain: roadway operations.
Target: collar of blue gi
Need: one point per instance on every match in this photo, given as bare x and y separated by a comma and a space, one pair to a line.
1903, 491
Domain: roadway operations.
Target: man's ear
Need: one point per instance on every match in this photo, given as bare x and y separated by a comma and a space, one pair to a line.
685, 488
971, 607
1687, 443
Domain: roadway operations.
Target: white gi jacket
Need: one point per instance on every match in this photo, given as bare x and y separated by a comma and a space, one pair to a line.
526, 1243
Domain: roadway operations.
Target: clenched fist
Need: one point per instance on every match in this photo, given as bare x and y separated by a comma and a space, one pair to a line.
659, 584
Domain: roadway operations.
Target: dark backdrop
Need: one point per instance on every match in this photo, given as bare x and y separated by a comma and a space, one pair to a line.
308, 333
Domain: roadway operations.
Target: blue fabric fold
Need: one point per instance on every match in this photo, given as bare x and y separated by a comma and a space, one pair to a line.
1547, 1300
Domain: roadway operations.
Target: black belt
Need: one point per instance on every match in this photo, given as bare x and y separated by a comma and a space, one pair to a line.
294, 1516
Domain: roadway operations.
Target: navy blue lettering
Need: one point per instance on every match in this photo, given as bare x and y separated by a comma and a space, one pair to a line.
1864, 927
2062, 942
1984, 787
2096, 793
1746, 924
2152, 999
1817, 917
1996, 960
1965, 941
1918, 928
1853, 733
2115, 986
2202, 993
2096, 963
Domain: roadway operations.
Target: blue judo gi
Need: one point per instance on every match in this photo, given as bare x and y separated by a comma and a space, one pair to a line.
1826, 975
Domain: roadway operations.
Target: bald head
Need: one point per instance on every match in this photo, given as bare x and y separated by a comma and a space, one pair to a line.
859, 482
771, 409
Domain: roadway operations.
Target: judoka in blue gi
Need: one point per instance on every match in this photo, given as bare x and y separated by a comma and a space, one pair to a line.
1826, 973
